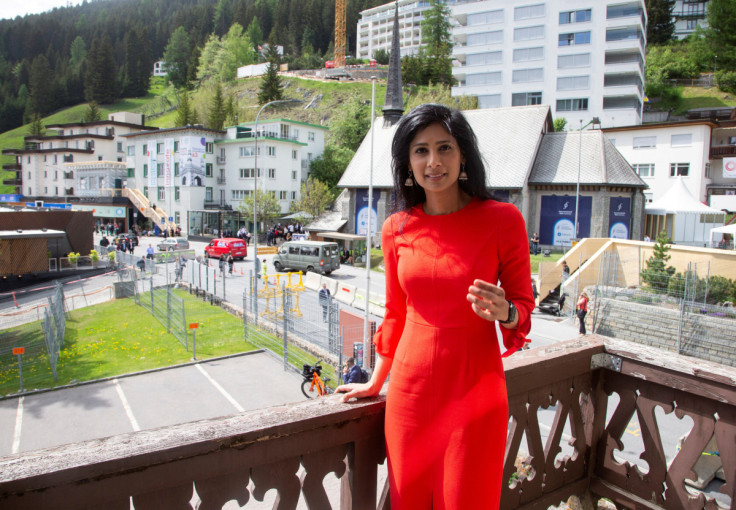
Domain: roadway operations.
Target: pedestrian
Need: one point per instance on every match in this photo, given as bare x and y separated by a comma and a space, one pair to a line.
535, 243
130, 246
351, 372
446, 437
230, 262
324, 300
149, 251
565, 272
582, 311
222, 265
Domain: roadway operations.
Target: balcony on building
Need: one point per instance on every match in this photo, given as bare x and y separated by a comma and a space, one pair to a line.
591, 385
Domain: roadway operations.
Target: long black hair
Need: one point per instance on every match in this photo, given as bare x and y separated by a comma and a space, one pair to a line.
406, 197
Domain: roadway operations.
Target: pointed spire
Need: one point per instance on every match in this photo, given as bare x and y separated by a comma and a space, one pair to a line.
393, 106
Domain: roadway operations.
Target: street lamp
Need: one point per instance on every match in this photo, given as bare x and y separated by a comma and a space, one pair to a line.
595, 120
255, 183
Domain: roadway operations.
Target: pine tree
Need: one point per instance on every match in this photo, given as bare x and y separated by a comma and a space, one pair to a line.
660, 24
657, 274
271, 86
93, 112
177, 56
101, 82
36, 128
721, 32
40, 85
216, 118
184, 114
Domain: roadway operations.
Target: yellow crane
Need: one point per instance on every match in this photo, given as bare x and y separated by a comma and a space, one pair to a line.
340, 10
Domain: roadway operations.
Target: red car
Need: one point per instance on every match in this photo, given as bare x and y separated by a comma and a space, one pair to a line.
219, 247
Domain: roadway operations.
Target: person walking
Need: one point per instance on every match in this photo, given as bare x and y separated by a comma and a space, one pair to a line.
582, 311
535, 243
324, 300
149, 251
230, 262
446, 437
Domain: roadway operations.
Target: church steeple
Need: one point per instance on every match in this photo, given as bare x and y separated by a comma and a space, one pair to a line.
393, 107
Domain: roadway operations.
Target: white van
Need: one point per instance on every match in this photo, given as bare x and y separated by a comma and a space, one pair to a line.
315, 256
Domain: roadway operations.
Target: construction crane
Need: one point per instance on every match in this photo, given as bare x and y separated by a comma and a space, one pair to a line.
340, 10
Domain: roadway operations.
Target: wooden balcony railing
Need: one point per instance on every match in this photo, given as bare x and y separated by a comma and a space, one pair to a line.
293, 448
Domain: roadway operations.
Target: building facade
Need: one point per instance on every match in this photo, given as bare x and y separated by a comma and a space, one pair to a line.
583, 58
688, 15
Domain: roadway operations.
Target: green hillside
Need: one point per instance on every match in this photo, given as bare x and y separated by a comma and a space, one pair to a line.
159, 106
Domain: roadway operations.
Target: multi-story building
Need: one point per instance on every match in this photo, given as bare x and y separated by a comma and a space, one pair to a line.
583, 58
688, 15
189, 177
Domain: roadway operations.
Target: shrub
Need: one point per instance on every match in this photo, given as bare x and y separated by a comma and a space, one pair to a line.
73, 257
94, 256
720, 289
726, 81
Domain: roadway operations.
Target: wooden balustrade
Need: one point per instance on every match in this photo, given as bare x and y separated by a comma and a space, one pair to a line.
292, 448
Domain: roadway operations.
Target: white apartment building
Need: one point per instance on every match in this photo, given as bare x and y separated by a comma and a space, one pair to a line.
584, 58
692, 150
688, 15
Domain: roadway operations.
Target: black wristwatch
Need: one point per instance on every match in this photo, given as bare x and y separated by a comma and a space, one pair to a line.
512, 313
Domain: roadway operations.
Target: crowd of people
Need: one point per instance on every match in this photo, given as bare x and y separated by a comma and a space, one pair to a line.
282, 233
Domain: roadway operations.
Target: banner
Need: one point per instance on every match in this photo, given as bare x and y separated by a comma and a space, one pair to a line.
191, 160
619, 218
729, 168
152, 168
362, 210
168, 162
557, 219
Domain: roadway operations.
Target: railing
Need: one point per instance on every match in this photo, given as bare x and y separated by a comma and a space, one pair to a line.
220, 160
292, 448
723, 151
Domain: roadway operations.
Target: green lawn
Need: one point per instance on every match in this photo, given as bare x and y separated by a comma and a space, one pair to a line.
120, 337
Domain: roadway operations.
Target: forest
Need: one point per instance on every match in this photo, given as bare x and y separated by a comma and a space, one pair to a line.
103, 50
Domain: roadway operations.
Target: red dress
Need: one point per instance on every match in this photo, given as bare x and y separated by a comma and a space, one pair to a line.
447, 409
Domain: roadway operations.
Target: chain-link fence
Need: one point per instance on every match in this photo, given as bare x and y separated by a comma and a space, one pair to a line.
54, 327
686, 311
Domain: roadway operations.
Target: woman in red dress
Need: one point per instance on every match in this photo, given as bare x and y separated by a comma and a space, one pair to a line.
445, 250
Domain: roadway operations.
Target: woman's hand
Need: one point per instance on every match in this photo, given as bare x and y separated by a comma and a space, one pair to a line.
489, 301
357, 390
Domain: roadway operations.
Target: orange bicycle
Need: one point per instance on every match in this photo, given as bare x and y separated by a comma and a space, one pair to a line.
313, 384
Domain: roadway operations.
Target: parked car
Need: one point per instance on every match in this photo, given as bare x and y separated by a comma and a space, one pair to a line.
232, 245
173, 243
316, 256
129, 235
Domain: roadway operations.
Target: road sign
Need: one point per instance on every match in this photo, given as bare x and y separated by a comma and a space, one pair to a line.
19, 350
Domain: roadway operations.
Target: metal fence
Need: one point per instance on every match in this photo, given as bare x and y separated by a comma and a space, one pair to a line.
54, 327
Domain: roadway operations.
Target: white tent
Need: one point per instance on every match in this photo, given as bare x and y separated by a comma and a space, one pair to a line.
686, 219
720, 232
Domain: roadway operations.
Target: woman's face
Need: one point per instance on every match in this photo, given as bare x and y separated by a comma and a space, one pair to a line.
435, 159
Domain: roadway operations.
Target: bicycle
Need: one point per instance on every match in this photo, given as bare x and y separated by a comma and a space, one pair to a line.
313, 385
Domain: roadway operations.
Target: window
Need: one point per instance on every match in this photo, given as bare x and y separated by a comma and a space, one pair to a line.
56, 175
484, 79
481, 59
580, 16
159, 148
271, 150
145, 170
159, 169
572, 105
485, 18
692, 24
271, 173
176, 145
529, 33
645, 142
209, 147
56, 159
145, 149
732, 140
272, 193
573, 82
247, 173
120, 147
645, 169
679, 169
310, 136
623, 34
528, 12
45, 190
527, 75
294, 154
571, 39
293, 175
682, 140
45, 174
176, 196
131, 172
246, 152
145, 191
623, 10
293, 195
161, 192
208, 169
177, 218
495, 37
176, 169
527, 54
526, 98
208, 194
570, 61
708, 174
282, 195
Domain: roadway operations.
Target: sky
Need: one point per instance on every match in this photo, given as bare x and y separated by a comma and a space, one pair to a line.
12, 8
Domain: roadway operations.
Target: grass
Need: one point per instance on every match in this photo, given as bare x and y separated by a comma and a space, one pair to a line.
120, 337
534, 260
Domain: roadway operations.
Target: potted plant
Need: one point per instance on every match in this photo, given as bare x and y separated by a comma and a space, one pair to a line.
94, 257
73, 258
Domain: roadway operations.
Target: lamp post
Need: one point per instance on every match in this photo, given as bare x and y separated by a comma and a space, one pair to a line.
595, 120
255, 183
368, 235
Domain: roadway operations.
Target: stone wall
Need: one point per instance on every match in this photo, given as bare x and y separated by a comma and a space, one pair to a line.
703, 336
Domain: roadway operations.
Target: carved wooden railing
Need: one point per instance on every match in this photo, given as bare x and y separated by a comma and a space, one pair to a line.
292, 448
